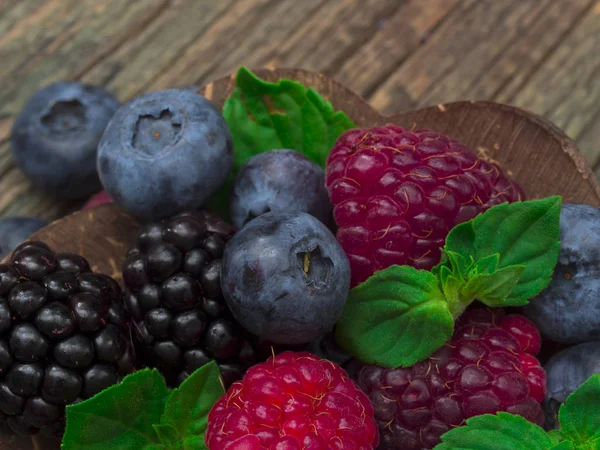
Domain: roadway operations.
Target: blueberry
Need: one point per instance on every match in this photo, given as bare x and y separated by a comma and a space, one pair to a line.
285, 277
279, 181
565, 372
56, 134
14, 230
567, 310
165, 152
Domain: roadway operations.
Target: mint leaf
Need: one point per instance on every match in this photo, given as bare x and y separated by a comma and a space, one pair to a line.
120, 417
494, 289
194, 443
188, 406
565, 445
461, 240
579, 416
167, 434
497, 432
487, 265
524, 234
396, 318
264, 116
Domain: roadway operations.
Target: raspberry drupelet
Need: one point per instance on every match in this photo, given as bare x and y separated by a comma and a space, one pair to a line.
488, 366
293, 401
397, 193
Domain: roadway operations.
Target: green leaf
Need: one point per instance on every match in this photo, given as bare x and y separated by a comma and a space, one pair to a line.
579, 416
524, 234
565, 445
494, 289
188, 406
120, 417
396, 318
264, 116
451, 285
461, 240
194, 443
487, 265
167, 434
497, 432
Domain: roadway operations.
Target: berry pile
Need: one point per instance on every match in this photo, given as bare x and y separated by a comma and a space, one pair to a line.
64, 337
397, 193
173, 279
293, 401
488, 366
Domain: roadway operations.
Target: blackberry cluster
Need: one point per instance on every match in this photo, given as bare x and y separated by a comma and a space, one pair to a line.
64, 337
173, 280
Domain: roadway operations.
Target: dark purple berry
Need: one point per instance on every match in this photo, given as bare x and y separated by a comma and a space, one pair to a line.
10, 403
109, 344
89, 310
97, 378
210, 279
27, 343
55, 320
134, 272
60, 285
61, 385
168, 354
5, 318
34, 262
70, 262
9, 277
181, 292
163, 260
26, 298
158, 322
189, 327
221, 339
194, 262
75, 352
39, 413
25, 379
195, 358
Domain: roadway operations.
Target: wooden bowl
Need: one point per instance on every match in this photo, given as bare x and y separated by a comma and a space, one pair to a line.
532, 150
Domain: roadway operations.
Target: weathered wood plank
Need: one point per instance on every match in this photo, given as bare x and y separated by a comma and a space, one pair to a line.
142, 59
62, 37
338, 30
280, 22
566, 87
398, 37
13, 11
459, 53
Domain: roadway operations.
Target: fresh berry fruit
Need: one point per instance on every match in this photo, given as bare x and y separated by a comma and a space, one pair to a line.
566, 371
61, 325
488, 366
293, 401
165, 152
397, 193
567, 310
101, 198
56, 134
174, 295
285, 277
279, 181
14, 230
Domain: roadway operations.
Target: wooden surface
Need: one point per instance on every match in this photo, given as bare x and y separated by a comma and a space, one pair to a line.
515, 139
541, 55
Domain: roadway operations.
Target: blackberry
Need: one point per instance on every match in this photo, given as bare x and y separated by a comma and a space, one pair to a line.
60, 326
173, 293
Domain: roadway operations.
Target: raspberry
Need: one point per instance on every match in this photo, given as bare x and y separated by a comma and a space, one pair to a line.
488, 366
173, 279
293, 401
397, 193
64, 337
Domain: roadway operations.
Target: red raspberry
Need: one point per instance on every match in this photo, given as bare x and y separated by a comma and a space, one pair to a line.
294, 401
397, 193
488, 366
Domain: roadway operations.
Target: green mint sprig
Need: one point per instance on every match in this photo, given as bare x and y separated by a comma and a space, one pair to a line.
579, 419
503, 257
265, 116
141, 413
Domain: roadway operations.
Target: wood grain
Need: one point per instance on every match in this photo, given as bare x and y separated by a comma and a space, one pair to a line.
517, 139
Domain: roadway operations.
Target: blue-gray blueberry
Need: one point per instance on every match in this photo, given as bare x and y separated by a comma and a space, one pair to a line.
568, 310
14, 230
285, 277
279, 181
565, 372
55, 137
165, 152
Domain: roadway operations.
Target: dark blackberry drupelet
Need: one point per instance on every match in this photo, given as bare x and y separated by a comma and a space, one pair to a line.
174, 295
61, 325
